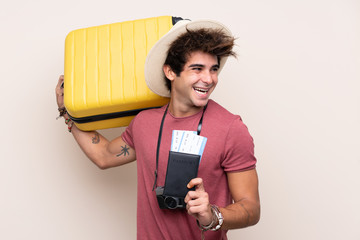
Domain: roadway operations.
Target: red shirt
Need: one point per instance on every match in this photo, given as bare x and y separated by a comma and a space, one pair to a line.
229, 147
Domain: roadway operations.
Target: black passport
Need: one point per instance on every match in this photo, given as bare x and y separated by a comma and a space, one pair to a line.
182, 167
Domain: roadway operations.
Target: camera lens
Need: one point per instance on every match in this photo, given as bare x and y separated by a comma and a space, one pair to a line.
171, 202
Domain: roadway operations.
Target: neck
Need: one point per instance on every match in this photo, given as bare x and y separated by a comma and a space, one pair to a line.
181, 110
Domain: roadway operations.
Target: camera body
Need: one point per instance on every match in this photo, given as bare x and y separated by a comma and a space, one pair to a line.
168, 202
182, 167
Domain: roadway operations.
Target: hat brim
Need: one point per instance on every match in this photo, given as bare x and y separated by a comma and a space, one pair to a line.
154, 74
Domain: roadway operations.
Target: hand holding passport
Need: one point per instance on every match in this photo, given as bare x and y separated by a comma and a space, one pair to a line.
186, 150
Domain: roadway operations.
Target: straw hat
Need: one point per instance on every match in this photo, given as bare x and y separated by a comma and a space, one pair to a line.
154, 75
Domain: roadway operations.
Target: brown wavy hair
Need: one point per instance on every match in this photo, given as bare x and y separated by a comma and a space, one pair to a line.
213, 41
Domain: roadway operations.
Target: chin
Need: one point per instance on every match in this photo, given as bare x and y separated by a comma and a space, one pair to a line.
201, 103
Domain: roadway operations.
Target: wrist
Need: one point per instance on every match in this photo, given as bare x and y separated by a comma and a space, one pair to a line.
62, 111
216, 220
68, 121
208, 218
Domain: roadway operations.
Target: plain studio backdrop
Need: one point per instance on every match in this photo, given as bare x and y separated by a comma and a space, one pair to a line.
295, 83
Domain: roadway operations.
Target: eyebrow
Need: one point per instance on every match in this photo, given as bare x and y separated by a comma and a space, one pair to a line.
201, 65
196, 65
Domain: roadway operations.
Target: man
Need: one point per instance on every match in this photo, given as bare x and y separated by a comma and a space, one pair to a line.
184, 65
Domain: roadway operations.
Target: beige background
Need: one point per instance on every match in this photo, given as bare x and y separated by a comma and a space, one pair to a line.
295, 84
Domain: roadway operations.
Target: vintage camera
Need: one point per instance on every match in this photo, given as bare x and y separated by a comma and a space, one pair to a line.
168, 202
182, 167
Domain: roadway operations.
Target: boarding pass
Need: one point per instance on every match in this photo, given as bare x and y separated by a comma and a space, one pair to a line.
188, 142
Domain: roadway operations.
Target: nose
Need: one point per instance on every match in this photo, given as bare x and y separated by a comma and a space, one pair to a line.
208, 77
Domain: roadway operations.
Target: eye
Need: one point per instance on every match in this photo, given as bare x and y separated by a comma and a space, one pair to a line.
215, 69
198, 69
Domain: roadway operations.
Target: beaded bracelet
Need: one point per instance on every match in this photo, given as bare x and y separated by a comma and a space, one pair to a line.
69, 123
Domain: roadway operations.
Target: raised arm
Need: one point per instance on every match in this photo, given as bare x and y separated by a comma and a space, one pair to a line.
99, 150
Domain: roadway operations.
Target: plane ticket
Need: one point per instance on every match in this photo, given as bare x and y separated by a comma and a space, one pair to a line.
188, 142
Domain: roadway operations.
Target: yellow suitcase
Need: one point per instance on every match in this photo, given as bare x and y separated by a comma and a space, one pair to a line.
104, 83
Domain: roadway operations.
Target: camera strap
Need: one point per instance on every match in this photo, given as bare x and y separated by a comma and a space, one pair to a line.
159, 140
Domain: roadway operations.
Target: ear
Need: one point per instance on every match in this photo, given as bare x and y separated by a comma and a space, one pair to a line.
169, 72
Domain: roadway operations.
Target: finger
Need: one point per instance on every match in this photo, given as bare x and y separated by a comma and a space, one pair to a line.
59, 91
60, 81
190, 196
193, 206
195, 202
198, 195
60, 86
198, 183
201, 209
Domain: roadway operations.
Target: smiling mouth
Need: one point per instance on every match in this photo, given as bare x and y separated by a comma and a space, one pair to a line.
201, 90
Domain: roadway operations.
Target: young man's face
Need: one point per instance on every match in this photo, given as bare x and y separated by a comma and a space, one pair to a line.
196, 82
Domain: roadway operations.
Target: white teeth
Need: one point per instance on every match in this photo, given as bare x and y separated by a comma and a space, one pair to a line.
201, 90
